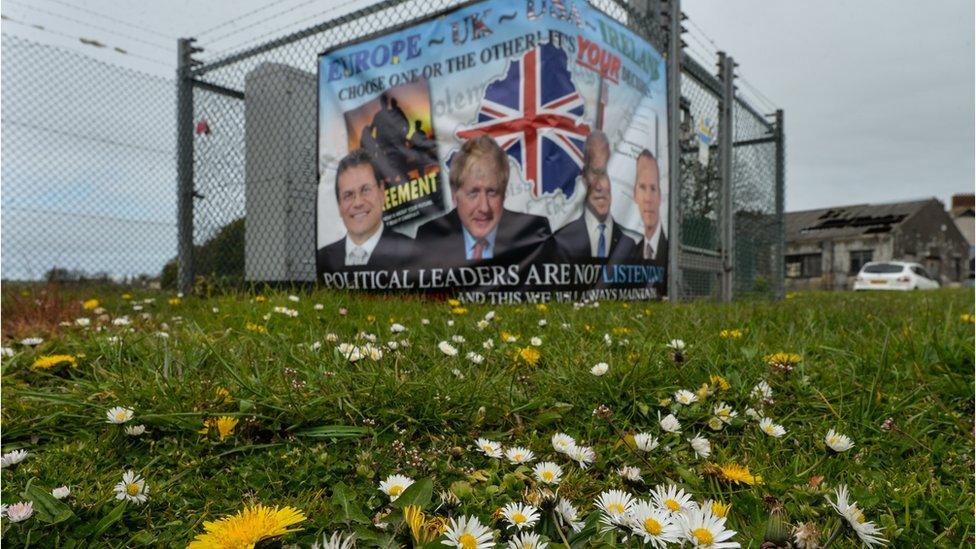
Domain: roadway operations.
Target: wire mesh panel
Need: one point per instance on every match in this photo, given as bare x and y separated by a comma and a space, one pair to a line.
88, 174
754, 204
700, 260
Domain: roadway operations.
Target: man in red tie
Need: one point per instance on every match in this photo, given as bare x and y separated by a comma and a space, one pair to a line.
479, 228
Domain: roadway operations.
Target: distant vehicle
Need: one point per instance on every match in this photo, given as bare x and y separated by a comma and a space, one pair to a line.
894, 275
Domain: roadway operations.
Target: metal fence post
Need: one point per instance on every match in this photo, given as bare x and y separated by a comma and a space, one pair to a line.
674, 147
726, 136
780, 260
184, 164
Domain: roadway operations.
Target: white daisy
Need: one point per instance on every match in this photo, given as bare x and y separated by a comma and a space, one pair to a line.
294, 298
12, 458
633, 474
676, 345
767, 426
548, 472
838, 442
673, 499
753, 414
562, 442
425, 321
397, 328
600, 369
685, 397
447, 348
6, 352
520, 516
482, 324
468, 533
489, 316
670, 423
488, 344
61, 492
645, 442
134, 430
584, 455
31, 341
475, 357
762, 390
518, 455
458, 339
121, 321
331, 337
489, 448
527, 540
394, 485
118, 415
336, 541
867, 531
543, 322
702, 447
536, 341
615, 505
19, 512
83, 321
450, 323
654, 524
567, 515
132, 488
724, 412
704, 530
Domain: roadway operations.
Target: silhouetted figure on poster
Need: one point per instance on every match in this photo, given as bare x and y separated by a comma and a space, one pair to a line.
397, 159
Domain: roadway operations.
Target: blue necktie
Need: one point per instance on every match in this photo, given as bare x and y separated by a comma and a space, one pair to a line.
601, 245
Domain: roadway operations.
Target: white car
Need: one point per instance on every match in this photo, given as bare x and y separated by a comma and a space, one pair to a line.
894, 275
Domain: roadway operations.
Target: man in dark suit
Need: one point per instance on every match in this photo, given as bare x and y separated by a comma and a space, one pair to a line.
479, 228
368, 244
594, 234
653, 247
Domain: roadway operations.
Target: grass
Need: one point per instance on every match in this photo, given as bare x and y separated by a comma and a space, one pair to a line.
318, 433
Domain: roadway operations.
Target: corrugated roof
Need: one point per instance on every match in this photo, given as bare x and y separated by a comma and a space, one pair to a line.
849, 221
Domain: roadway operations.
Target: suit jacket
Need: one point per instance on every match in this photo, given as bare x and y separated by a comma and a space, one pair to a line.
520, 237
661, 259
394, 250
573, 242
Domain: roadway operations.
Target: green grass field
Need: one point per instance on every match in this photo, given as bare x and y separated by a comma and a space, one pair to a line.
318, 432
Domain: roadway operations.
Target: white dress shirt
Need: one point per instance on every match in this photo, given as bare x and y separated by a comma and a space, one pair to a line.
654, 242
358, 254
593, 231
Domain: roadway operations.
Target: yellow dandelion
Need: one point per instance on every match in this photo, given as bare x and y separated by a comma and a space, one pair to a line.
720, 509
260, 298
225, 426
730, 334
542, 307
89, 304
733, 472
703, 391
459, 311
620, 330
783, 361
175, 301
370, 318
720, 382
966, 317
529, 355
453, 302
507, 337
247, 527
252, 327
223, 395
50, 361
126, 297
423, 530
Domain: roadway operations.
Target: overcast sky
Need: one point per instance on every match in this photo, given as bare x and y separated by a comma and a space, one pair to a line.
878, 94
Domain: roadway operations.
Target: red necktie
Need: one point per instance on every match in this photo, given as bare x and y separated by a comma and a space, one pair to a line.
479, 248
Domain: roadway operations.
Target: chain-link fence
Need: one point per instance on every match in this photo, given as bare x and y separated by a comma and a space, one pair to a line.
87, 187
87, 167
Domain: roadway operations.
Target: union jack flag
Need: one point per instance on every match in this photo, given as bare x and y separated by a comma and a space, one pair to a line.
534, 113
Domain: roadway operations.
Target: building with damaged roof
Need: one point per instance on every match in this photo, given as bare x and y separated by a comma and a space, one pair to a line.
825, 248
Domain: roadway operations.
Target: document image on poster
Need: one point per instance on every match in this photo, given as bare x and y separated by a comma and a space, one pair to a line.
500, 152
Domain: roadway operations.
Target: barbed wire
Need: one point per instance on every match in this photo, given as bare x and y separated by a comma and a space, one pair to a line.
92, 25
85, 41
241, 17
113, 19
